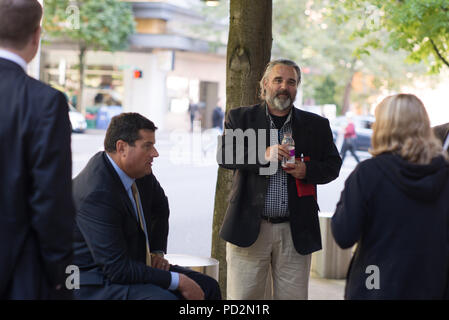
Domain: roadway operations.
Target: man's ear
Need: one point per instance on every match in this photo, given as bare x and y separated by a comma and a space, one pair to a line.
120, 147
264, 88
36, 38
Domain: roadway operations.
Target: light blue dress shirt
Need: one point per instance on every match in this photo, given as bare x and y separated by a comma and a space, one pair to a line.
127, 183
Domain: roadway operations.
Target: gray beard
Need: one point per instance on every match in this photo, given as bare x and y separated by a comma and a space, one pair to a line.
278, 104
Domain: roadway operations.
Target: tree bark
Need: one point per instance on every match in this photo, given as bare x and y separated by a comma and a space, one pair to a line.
248, 52
347, 93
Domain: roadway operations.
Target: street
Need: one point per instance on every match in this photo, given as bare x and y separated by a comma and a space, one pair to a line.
187, 171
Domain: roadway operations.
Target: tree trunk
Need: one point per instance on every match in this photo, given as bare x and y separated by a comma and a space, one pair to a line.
248, 52
348, 89
82, 56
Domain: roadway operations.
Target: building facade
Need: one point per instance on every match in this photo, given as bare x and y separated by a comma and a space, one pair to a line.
166, 66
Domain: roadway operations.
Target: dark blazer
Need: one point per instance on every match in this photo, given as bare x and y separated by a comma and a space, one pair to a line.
313, 138
37, 213
109, 243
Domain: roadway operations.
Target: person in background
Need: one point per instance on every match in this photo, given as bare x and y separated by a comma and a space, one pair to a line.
98, 99
193, 113
395, 208
37, 214
349, 141
217, 118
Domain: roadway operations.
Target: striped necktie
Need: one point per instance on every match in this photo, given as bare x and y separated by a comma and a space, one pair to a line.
139, 212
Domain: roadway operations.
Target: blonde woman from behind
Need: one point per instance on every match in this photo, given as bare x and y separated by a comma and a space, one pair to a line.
394, 207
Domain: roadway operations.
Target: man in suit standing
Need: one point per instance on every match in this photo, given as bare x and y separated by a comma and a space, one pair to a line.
272, 219
122, 223
442, 133
37, 213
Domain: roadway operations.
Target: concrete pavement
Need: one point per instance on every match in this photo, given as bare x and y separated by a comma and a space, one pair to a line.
325, 289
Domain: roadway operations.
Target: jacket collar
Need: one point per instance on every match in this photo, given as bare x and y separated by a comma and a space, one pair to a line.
124, 178
118, 183
14, 58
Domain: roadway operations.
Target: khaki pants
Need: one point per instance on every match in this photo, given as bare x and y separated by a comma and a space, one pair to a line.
271, 258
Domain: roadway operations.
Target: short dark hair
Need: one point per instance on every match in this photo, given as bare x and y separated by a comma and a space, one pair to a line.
126, 127
19, 19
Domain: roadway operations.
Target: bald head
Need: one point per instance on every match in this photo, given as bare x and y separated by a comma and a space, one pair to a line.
19, 22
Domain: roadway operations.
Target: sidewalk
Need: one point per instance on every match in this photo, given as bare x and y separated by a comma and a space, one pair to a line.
325, 289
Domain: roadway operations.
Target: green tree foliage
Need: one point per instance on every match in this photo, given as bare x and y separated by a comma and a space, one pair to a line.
325, 93
91, 24
319, 35
421, 27
103, 24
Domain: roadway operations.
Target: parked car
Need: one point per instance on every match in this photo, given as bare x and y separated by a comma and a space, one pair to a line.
363, 129
77, 120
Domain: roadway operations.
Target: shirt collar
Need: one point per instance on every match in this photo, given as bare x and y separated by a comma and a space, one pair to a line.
126, 180
269, 115
8, 55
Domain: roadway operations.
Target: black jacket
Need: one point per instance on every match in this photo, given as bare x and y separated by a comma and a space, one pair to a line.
313, 138
36, 207
109, 243
398, 214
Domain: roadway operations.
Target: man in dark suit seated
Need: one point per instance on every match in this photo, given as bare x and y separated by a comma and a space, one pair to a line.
36, 207
122, 223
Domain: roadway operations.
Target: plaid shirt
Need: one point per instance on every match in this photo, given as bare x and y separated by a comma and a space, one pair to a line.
276, 200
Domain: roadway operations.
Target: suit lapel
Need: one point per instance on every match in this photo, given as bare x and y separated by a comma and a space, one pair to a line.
5, 63
261, 121
259, 118
300, 132
121, 191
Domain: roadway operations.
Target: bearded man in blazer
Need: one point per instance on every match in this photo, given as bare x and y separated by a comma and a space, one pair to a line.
122, 223
37, 212
272, 219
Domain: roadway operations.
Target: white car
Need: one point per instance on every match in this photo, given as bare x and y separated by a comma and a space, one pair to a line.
77, 120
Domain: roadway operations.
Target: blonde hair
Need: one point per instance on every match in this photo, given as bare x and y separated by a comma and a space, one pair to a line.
402, 127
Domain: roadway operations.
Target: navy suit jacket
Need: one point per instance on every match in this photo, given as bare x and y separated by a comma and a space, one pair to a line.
37, 213
313, 139
109, 242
